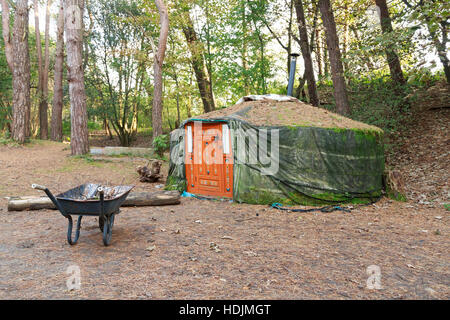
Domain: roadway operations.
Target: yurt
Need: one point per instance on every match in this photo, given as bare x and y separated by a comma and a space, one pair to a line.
276, 149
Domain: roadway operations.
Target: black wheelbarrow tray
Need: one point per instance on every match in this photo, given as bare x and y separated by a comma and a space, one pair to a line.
89, 200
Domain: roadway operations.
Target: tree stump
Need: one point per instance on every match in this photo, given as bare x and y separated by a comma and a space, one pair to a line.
395, 185
151, 174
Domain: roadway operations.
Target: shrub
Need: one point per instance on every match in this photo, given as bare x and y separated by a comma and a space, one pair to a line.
161, 144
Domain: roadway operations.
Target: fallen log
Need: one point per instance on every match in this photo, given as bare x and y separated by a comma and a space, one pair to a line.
114, 151
158, 198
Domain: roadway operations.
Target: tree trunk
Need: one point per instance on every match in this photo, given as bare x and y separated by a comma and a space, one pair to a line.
337, 72
319, 53
43, 118
346, 38
209, 63
326, 64
44, 126
392, 57
442, 51
198, 63
107, 128
441, 47
56, 133
73, 13
21, 73
7, 34
177, 87
157, 68
189, 102
306, 53
244, 50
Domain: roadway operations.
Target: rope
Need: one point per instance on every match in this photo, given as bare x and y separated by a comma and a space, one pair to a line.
326, 209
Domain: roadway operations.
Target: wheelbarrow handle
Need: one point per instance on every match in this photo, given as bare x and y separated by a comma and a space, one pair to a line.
101, 193
51, 196
39, 187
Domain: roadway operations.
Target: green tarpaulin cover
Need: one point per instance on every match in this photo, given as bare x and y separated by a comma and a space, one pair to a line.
315, 165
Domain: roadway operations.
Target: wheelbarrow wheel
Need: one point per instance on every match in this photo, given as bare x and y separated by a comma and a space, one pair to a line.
107, 229
101, 223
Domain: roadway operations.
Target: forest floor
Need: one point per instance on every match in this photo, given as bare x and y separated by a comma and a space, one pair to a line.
221, 250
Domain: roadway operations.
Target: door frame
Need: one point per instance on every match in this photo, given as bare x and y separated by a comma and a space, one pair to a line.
224, 161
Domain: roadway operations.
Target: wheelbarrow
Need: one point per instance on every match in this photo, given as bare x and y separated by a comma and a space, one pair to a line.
89, 200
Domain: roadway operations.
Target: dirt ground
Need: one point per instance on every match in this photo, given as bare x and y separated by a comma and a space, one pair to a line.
220, 250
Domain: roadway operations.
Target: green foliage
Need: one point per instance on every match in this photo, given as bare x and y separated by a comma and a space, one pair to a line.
66, 128
173, 183
118, 85
5, 90
161, 144
7, 141
375, 101
422, 78
85, 157
92, 125
242, 56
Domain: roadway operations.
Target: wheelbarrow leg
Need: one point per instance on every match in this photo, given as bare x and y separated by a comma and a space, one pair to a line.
77, 231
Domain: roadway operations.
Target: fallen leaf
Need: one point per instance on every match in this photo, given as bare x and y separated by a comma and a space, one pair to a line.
215, 247
431, 292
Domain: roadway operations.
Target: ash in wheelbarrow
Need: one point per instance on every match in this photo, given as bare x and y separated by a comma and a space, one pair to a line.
89, 200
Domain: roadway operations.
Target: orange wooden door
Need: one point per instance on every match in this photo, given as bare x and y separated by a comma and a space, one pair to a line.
209, 162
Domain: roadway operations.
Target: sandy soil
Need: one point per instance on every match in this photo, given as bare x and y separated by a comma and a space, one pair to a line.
209, 249
166, 253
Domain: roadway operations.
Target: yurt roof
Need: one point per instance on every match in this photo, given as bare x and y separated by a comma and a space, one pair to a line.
277, 110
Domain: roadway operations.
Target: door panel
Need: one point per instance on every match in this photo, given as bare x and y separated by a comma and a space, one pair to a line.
208, 170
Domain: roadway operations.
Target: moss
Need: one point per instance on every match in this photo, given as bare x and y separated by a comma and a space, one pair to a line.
374, 135
397, 196
292, 128
348, 198
258, 196
339, 130
262, 197
371, 135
